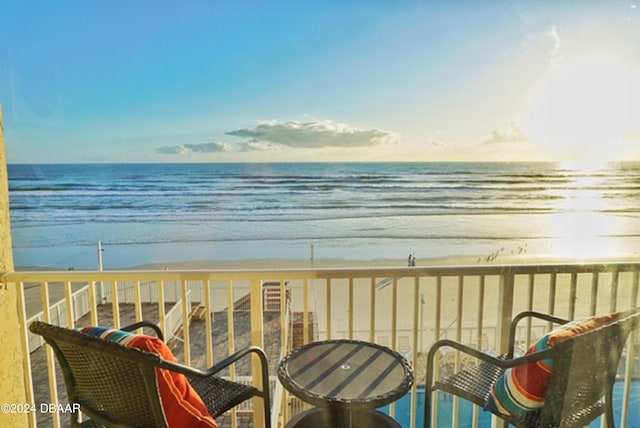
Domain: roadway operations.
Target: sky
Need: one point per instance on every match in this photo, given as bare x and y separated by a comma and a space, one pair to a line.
359, 80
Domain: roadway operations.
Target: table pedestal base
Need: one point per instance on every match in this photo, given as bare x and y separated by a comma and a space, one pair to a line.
316, 418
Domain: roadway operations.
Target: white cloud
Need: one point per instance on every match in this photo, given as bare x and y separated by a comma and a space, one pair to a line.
208, 147
194, 148
253, 146
313, 135
274, 136
509, 134
171, 150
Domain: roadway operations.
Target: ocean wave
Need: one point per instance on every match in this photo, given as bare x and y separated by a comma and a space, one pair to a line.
147, 203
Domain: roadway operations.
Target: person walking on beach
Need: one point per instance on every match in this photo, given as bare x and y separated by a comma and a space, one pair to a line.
412, 260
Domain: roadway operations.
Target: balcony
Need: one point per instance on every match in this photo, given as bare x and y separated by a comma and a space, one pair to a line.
208, 314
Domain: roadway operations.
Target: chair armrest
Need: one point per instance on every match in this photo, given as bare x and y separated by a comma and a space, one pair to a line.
142, 324
504, 362
435, 348
463, 348
192, 371
226, 362
529, 314
540, 315
501, 362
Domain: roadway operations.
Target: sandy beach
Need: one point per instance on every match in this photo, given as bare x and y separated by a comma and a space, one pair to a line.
454, 260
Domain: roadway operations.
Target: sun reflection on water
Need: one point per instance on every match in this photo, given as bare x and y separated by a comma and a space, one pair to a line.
583, 227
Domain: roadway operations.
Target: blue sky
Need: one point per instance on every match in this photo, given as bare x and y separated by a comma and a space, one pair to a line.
117, 81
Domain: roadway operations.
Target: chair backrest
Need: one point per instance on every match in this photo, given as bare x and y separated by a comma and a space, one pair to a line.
113, 384
585, 368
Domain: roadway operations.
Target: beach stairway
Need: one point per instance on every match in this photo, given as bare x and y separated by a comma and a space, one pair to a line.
199, 313
271, 298
272, 303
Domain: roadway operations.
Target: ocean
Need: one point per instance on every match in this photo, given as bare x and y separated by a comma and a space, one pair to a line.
163, 213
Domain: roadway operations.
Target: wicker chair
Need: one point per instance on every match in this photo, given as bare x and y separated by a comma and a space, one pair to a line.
580, 388
116, 385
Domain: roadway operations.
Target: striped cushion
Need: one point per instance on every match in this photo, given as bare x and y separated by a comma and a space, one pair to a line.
182, 405
522, 389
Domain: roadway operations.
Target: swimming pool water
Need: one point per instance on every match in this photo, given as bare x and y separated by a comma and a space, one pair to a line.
465, 416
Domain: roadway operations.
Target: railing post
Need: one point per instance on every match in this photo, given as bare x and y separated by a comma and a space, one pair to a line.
186, 308
505, 314
257, 339
12, 369
505, 310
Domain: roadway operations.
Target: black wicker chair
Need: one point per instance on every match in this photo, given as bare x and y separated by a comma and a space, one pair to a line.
580, 388
115, 385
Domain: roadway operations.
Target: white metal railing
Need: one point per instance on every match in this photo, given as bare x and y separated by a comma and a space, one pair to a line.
57, 311
472, 304
280, 412
148, 291
174, 317
80, 302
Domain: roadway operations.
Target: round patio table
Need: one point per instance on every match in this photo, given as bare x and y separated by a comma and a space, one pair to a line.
347, 379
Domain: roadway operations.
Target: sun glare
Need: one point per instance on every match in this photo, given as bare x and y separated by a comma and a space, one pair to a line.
582, 227
587, 108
